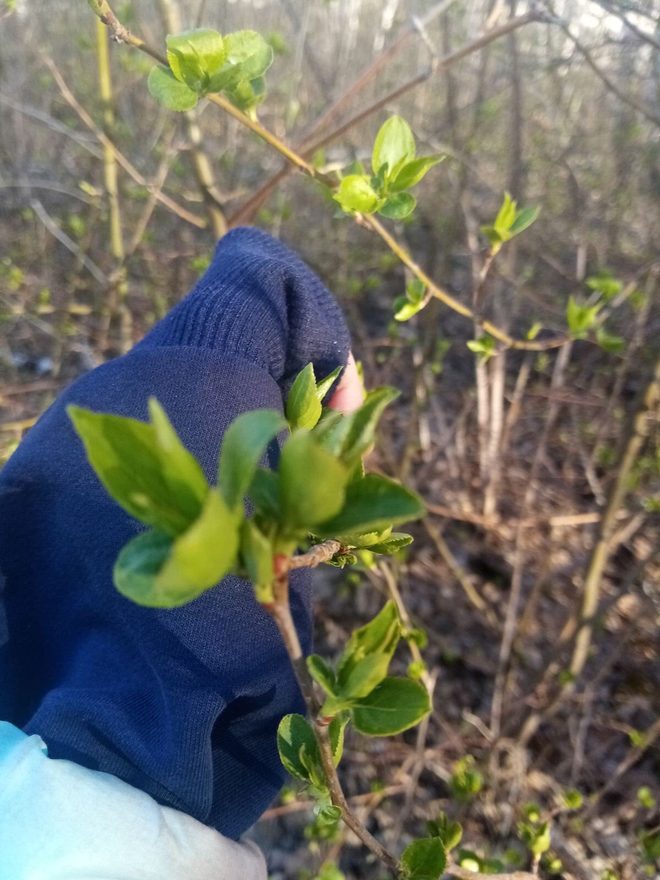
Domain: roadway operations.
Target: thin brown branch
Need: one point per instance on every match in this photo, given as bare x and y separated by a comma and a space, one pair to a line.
455, 870
105, 141
68, 242
370, 221
604, 78
606, 542
316, 556
281, 614
309, 146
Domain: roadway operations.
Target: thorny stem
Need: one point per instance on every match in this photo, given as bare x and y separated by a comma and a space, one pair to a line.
120, 33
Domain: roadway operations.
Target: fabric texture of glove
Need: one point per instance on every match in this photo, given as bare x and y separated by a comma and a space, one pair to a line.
60, 821
184, 703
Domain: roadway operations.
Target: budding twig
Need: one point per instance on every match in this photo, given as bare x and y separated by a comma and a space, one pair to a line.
122, 34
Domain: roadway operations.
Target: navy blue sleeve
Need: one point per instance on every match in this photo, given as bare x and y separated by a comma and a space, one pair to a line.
181, 703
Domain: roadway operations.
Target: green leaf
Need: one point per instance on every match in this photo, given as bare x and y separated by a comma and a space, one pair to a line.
373, 503
523, 220
393, 148
484, 347
362, 424
248, 57
424, 859
395, 705
605, 283
324, 385
608, 342
336, 730
257, 554
264, 492
450, 833
303, 406
194, 56
355, 193
181, 470
365, 659
244, 445
415, 290
168, 91
293, 735
366, 539
321, 672
138, 565
203, 554
125, 456
358, 679
505, 217
398, 206
534, 330
405, 310
312, 482
332, 430
495, 240
247, 95
580, 317
379, 636
155, 571
395, 542
413, 172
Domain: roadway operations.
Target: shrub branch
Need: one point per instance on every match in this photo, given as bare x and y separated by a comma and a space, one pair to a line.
123, 35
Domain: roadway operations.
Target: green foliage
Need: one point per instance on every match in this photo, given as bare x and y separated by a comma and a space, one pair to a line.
534, 832
609, 342
424, 859
395, 169
244, 444
303, 405
299, 750
646, 798
372, 503
202, 61
449, 832
465, 781
394, 706
509, 222
330, 871
156, 571
144, 467
573, 799
257, 553
405, 307
379, 706
312, 483
604, 283
580, 317
484, 347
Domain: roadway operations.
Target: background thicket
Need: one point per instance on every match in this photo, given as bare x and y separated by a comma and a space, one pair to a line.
109, 207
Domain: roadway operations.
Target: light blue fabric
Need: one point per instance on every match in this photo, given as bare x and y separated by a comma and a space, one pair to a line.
60, 821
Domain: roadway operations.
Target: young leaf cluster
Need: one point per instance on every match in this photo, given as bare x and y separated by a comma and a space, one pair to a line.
395, 168
378, 704
358, 690
510, 221
406, 307
203, 61
199, 533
